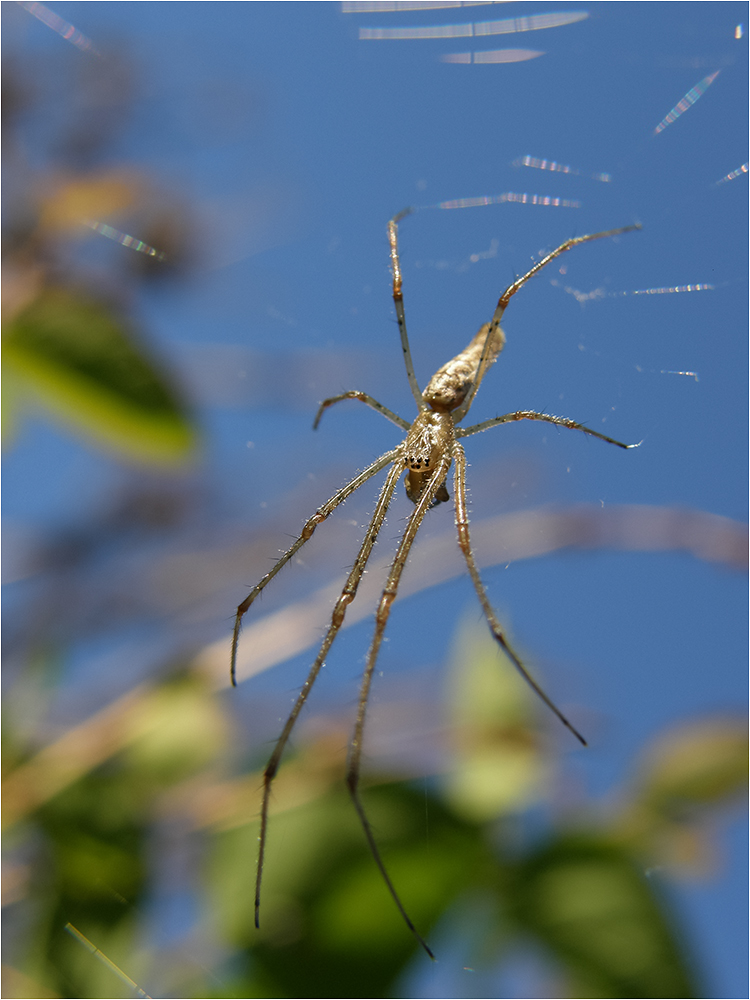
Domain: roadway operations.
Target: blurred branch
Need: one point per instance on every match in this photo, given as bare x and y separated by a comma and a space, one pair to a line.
281, 635
497, 540
82, 748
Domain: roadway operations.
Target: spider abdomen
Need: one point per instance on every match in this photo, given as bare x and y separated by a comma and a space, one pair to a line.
448, 387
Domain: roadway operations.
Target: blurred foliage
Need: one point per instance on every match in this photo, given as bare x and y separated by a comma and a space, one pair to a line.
86, 814
85, 366
67, 346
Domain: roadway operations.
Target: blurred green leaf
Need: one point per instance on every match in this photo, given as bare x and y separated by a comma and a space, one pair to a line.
498, 765
667, 814
84, 365
588, 902
11, 397
93, 874
179, 729
329, 927
695, 765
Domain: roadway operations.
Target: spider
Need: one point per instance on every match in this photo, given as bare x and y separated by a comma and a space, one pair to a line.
430, 447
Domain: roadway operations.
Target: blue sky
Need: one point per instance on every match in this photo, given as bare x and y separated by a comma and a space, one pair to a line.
292, 142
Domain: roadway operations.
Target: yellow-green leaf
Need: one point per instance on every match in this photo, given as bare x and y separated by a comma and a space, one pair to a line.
83, 364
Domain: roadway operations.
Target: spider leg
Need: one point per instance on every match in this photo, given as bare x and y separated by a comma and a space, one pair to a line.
347, 596
381, 619
464, 541
512, 289
533, 415
363, 398
398, 301
318, 517
563, 248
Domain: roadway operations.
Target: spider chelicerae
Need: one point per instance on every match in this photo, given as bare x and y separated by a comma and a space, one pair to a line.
430, 448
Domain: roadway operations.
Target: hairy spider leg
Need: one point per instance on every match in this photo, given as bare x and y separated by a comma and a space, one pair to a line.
381, 620
511, 290
534, 415
464, 541
318, 517
398, 302
363, 397
347, 596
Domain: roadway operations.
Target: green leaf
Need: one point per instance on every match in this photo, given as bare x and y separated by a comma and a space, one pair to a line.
84, 365
588, 902
498, 764
695, 765
328, 923
668, 812
178, 730
11, 396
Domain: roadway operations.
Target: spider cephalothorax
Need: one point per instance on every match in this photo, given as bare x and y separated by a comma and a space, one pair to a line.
430, 436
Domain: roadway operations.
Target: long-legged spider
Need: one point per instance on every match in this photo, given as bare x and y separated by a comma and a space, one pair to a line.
431, 445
